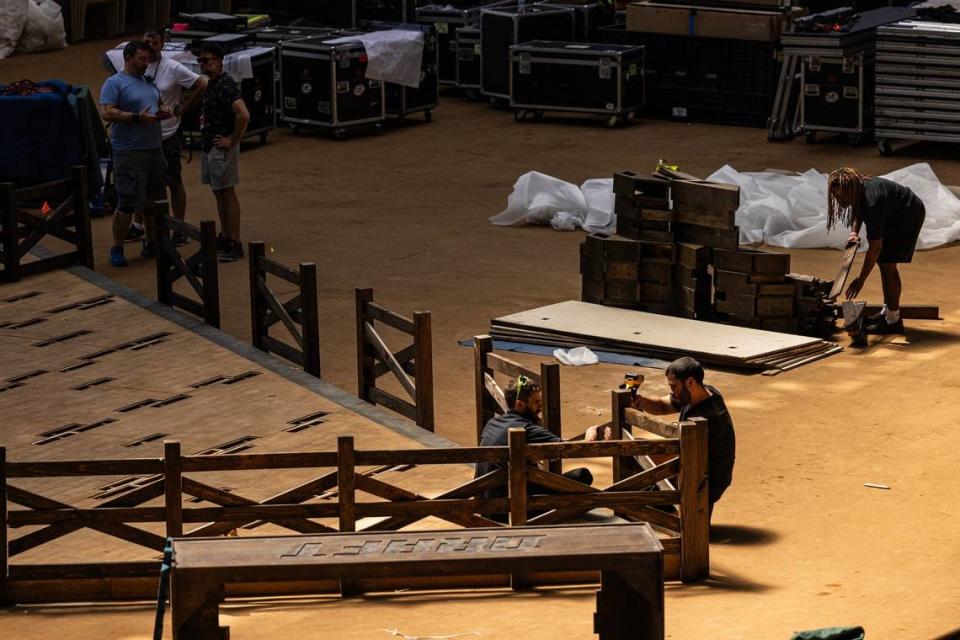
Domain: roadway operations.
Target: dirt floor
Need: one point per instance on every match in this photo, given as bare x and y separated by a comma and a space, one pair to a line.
799, 541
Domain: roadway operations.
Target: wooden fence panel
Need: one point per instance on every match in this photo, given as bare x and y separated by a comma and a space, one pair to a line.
200, 270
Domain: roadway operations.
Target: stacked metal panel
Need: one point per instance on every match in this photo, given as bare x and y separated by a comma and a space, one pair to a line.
918, 82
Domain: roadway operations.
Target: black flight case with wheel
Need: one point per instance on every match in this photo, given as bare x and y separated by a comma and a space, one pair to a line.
323, 84
448, 19
605, 79
504, 27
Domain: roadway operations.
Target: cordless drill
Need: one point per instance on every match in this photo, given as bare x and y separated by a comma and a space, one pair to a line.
632, 382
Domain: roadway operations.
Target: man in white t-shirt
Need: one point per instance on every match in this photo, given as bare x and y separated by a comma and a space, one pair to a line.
171, 78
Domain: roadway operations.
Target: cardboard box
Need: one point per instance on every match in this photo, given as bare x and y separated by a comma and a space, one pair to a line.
688, 20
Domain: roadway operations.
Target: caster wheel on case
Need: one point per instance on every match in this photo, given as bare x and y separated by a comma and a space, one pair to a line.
428, 116
613, 121
263, 138
883, 146
519, 115
810, 137
339, 134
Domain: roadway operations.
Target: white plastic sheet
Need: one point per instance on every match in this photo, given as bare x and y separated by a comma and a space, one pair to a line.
13, 16
43, 30
781, 210
541, 199
790, 211
394, 55
577, 357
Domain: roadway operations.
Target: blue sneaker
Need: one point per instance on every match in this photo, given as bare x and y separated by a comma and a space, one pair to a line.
116, 257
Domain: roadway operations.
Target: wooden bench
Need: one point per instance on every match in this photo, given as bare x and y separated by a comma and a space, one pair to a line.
628, 557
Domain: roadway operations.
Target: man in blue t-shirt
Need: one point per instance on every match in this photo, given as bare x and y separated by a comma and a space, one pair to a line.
131, 104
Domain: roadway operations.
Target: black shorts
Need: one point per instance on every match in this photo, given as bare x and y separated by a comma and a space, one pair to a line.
900, 240
171, 153
139, 178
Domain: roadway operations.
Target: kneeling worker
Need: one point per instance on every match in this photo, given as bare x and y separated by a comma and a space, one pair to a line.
526, 399
693, 399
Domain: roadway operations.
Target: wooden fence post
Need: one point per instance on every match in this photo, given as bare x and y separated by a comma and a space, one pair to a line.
423, 369
81, 216
4, 555
482, 345
173, 487
694, 510
258, 306
211, 282
620, 400
310, 314
550, 386
364, 359
161, 235
518, 476
8, 233
346, 484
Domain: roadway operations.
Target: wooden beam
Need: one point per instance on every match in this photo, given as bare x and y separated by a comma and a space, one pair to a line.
644, 421
423, 369
517, 441
346, 484
694, 508
364, 298
173, 487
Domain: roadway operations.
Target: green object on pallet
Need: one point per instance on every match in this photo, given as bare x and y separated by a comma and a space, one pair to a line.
831, 633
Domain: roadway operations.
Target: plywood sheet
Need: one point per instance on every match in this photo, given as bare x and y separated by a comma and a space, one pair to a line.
639, 329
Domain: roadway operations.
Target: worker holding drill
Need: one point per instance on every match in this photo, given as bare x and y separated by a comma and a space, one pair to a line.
693, 399
893, 215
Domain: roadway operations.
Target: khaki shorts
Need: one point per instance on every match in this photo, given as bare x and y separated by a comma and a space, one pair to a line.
220, 169
139, 177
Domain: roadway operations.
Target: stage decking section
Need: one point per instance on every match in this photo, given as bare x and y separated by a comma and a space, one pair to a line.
96, 372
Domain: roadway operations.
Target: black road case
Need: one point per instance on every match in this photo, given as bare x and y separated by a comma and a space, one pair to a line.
257, 91
402, 100
502, 28
579, 77
448, 19
468, 59
838, 95
323, 84
589, 16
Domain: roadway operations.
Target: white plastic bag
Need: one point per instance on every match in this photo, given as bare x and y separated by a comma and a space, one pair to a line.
43, 30
13, 15
577, 357
541, 199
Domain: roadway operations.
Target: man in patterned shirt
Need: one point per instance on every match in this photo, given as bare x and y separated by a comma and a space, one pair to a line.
224, 121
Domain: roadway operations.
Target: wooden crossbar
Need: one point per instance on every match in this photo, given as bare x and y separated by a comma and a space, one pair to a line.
411, 366
300, 315
199, 269
22, 230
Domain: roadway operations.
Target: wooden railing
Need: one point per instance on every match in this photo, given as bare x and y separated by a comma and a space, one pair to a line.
267, 309
412, 366
199, 269
533, 496
24, 222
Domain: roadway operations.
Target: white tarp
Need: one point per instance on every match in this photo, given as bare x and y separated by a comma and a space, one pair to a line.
13, 16
393, 55
239, 64
43, 30
780, 210
541, 199
790, 211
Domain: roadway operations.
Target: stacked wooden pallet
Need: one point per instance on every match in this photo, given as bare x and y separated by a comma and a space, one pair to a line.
752, 289
621, 272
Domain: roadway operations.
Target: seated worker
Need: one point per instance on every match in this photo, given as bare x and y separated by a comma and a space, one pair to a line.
693, 399
526, 399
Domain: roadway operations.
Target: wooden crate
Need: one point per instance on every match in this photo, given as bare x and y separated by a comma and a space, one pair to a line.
642, 188
694, 256
752, 261
705, 204
707, 236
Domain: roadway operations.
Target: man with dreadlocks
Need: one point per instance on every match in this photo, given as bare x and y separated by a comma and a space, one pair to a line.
893, 215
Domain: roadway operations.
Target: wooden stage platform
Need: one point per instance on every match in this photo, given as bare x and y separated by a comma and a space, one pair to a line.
92, 370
